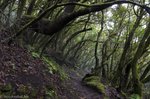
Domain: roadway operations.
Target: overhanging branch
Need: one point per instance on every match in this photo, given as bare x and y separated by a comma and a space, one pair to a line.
58, 24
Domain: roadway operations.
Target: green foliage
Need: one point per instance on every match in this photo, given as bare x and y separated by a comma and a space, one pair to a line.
6, 90
122, 10
135, 96
51, 94
35, 54
118, 23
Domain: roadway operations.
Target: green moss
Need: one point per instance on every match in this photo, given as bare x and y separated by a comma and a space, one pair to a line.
22, 89
50, 93
35, 54
92, 78
99, 86
55, 68
27, 90
135, 96
95, 83
6, 88
52, 65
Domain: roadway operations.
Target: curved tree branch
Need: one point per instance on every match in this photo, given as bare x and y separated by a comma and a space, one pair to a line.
58, 24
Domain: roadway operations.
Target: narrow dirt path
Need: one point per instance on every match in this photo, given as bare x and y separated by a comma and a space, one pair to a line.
78, 90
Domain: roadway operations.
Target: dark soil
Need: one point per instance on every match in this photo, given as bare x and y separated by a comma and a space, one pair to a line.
18, 67
78, 90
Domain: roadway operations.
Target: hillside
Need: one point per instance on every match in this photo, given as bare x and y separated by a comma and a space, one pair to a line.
24, 74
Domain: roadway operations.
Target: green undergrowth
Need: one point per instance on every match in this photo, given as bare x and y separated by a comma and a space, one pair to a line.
53, 67
5, 90
25, 92
135, 96
51, 93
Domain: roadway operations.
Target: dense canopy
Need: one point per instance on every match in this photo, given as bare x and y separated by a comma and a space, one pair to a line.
105, 39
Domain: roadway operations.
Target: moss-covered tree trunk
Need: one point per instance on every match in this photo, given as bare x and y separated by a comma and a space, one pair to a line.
97, 69
119, 76
142, 45
21, 5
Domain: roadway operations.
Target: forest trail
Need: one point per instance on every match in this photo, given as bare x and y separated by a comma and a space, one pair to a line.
77, 88
46, 46
73, 87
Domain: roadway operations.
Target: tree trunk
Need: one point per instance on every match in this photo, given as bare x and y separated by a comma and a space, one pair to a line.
119, 76
136, 82
59, 23
97, 68
21, 5
31, 6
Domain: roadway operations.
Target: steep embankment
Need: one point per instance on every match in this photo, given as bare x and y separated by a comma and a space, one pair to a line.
24, 75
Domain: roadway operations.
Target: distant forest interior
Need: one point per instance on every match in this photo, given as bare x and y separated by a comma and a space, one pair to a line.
74, 49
